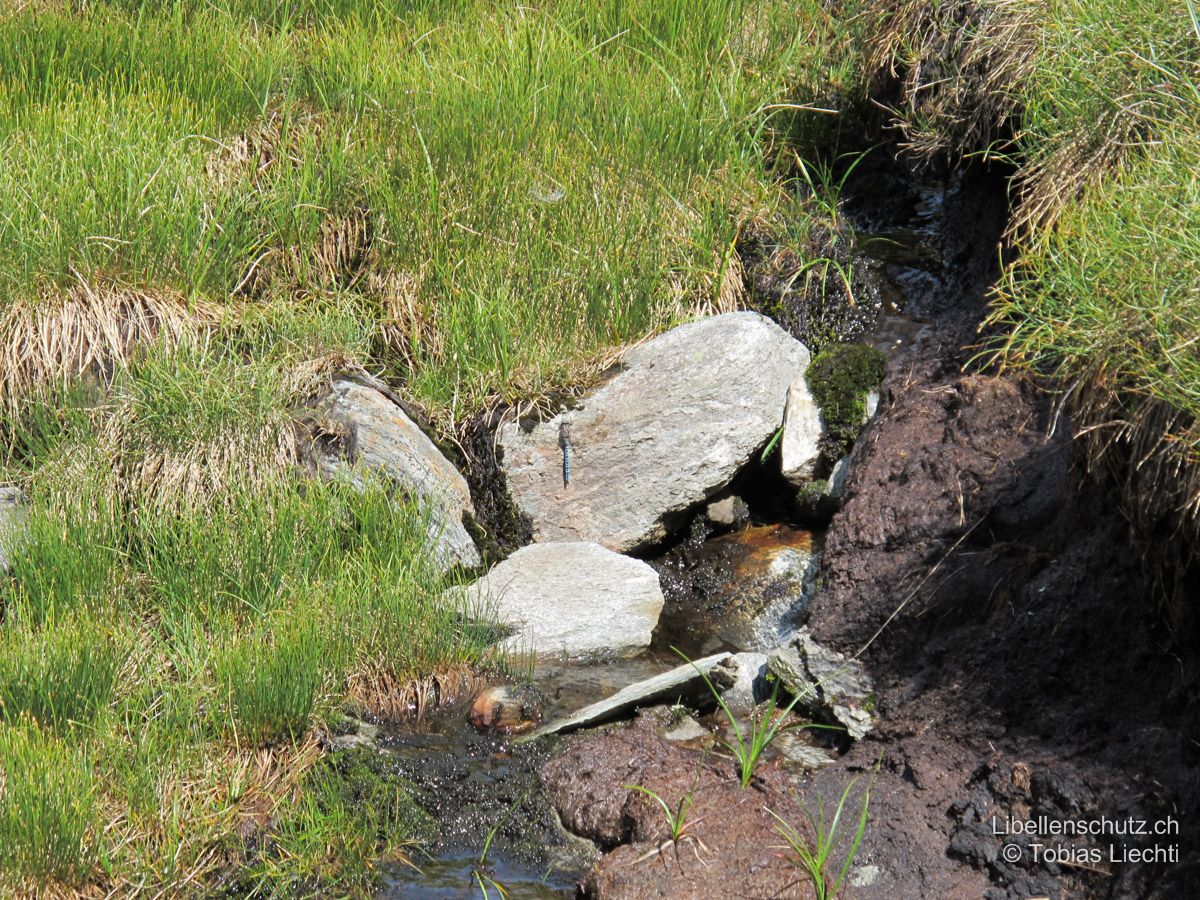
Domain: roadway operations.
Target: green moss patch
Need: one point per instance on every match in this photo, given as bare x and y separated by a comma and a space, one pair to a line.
840, 379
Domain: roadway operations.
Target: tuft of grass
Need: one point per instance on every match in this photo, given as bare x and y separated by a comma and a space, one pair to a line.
59, 675
353, 813
816, 856
47, 808
271, 679
751, 740
677, 816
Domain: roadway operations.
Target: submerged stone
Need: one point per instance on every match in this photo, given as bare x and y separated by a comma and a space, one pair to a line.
505, 709
748, 589
684, 415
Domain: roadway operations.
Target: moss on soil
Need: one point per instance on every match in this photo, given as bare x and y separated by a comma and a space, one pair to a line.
840, 379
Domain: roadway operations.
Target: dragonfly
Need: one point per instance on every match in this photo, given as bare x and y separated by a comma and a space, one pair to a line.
564, 443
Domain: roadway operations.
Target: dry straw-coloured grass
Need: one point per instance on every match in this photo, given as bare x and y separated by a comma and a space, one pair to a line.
382, 693
88, 330
407, 330
959, 67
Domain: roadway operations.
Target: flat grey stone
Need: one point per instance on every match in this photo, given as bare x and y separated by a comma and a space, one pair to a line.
829, 686
680, 682
378, 436
687, 730
570, 598
864, 876
687, 411
794, 749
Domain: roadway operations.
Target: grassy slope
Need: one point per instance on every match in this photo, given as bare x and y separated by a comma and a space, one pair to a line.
218, 202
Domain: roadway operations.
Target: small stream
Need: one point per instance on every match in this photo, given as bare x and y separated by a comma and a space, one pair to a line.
739, 585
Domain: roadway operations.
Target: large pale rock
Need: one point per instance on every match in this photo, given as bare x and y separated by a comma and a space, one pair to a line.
378, 436
570, 598
687, 411
11, 513
683, 682
800, 447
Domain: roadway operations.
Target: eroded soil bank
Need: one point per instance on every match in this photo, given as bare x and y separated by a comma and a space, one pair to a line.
995, 594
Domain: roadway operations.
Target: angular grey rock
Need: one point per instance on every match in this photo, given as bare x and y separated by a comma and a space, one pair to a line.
800, 447
379, 436
11, 514
829, 685
570, 598
837, 479
747, 677
730, 511
684, 415
682, 682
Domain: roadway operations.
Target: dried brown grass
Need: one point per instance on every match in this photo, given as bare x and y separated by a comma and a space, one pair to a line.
407, 330
87, 331
382, 693
958, 65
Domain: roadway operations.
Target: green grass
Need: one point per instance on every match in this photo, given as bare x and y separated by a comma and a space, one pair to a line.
47, 818
57, 676
816, 855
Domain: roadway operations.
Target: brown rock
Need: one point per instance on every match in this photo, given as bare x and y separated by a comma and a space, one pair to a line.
505, 709
731, 847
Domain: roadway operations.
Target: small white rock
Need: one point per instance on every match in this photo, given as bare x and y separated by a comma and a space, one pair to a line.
570, 598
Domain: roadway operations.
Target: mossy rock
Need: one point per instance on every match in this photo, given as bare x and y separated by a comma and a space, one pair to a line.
840, 379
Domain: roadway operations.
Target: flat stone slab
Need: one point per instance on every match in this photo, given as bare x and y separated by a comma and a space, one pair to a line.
378, 436
687, 411
830, 686
682, 681
570, 598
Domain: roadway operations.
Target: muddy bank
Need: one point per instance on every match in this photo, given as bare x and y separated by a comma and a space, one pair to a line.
1023, 667
993, 593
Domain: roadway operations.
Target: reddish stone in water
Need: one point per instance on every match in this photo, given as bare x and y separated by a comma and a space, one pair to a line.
505, 709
